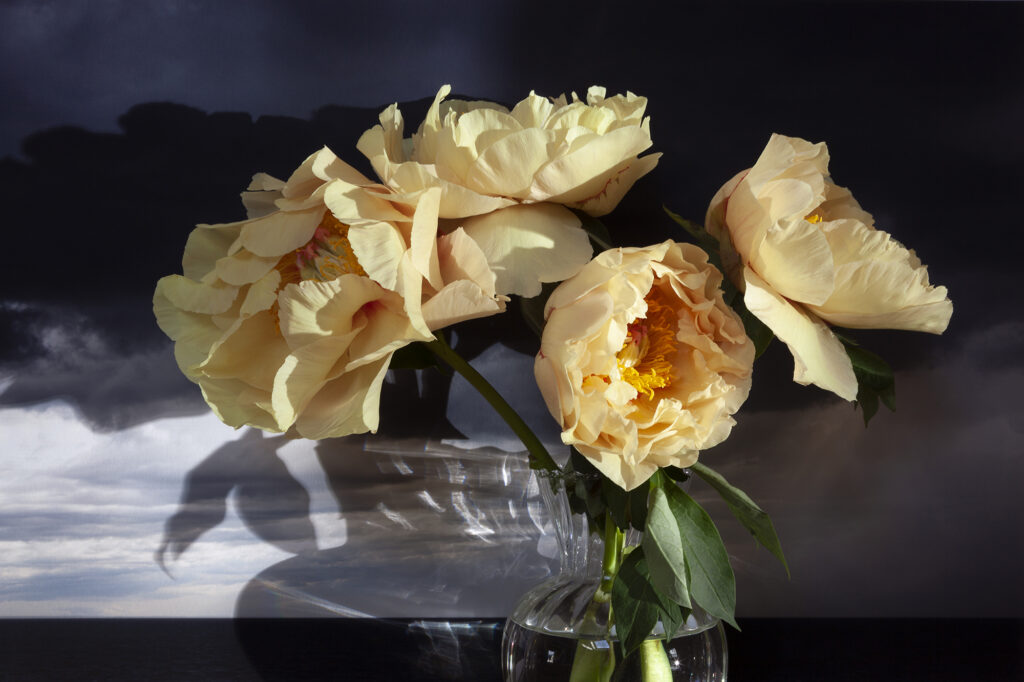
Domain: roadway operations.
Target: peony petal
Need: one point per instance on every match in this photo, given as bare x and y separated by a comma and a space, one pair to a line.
789, 157
460, 258
533, 111
351, 204
615, 187
320, 167
262, 294
280, 232
237, 404
244, 268
886, 295
195, 297
819, 357
378, 248
205, 245
457, 302
573, 177
260, 197
251, 353
423, 240
193, 333
425, 138
346, 405
529, 244
795, 258
507, 166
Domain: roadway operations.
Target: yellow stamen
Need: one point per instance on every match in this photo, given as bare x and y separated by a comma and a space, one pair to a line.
813, 218
645, 360
327, 256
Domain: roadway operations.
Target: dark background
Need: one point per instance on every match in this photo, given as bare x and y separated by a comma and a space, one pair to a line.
123, 124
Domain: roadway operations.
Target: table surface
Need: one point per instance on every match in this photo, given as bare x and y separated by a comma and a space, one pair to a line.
765, 650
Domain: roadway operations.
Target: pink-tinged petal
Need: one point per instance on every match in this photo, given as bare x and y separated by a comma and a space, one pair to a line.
346, 405
616, 184
529, 244
819, 356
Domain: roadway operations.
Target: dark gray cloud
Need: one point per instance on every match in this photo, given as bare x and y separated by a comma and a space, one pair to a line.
109, 362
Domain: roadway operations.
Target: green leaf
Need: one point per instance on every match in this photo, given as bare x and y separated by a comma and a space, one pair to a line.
875, 380
712, 583
596, 229
637, 605
696, 231
676, 473
627, 508
413, 356
746, 510
663, 547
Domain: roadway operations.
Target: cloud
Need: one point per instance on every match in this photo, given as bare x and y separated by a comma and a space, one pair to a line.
83, 512
901, 513
62, 352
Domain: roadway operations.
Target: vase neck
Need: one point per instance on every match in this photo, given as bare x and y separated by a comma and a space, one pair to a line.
580, 546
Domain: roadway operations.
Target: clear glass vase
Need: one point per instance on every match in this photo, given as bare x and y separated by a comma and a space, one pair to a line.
558, 632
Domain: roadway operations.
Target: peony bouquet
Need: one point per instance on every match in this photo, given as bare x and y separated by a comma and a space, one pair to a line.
290, 319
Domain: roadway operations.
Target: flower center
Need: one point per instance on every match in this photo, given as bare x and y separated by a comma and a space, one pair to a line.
327, 256
645, 360
813, 218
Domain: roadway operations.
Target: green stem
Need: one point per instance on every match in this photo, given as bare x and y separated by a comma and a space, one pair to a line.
614, 539
538, 453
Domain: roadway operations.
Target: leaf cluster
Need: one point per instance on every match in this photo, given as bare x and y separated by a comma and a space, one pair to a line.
682, 562
875, 379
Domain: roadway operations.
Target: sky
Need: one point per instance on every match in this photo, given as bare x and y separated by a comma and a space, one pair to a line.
125, 123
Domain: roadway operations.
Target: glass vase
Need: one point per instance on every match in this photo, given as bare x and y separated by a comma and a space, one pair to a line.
559, 632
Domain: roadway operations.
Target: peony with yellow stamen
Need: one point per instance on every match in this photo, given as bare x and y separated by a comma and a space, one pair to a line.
289, 319
642, 362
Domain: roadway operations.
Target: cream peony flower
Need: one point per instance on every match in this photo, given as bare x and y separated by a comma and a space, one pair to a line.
642, 362
531, 161
290, 317
805, 253
485, 157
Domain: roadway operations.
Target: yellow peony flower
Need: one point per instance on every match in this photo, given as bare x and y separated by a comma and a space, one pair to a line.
290, 317
806, 254
642, 362
485, 157
531, 161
